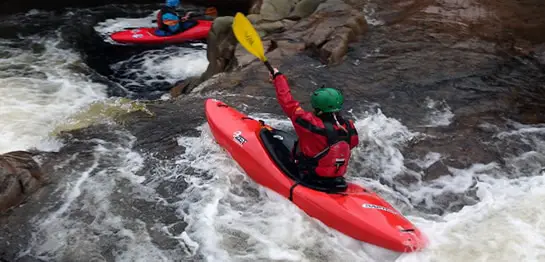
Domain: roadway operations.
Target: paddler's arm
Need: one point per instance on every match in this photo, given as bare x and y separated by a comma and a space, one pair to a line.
354, 139
290, 106
186, 16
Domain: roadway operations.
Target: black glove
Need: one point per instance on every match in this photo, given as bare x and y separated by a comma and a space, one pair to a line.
276, 73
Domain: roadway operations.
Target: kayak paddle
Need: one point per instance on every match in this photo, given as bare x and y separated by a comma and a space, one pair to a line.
210, 11
247, 37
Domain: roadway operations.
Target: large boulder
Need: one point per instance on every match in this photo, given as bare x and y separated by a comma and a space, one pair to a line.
20, 176
329, 30
255, 7
304, 8
220, 54
326, 28
221, 46
331, 26
274, 10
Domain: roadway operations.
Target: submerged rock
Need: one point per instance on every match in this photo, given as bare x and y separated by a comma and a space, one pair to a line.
103, 111
20, 176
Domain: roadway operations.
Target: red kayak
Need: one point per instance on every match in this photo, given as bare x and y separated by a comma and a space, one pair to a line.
263, 152
147, 35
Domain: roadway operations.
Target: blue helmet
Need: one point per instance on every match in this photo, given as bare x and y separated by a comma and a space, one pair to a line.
173, 3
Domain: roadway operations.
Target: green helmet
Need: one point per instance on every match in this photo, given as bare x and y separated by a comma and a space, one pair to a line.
327, 100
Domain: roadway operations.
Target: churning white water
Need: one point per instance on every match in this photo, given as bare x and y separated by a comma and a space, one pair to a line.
157, 67
168, 65
233, 219
109, 26
43, 84
38, 89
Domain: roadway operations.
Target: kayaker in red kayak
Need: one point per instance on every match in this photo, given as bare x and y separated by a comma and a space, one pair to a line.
325, 137
169, 22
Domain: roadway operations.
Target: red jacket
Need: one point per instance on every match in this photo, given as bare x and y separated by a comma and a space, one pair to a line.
307, 126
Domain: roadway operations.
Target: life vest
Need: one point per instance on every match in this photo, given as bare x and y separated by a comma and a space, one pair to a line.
333, 160
165, 10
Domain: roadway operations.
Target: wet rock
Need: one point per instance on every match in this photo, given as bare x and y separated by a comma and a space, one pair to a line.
450, 202
20, 176
408, 177
435, 171
460, 149
284, 48
220, 54
274, 10
255, 7
221, 47
274, 50
539, 53
159, 133
327, 33
305, 8
185, 86
254, 18
329, 30
276, 26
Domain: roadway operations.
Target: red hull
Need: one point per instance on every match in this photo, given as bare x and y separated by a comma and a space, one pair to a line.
357, 212
146, 35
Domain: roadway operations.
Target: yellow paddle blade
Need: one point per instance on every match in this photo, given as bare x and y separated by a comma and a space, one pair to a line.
247, 36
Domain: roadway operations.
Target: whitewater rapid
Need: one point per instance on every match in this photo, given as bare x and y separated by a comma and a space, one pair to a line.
229, 217
38, 90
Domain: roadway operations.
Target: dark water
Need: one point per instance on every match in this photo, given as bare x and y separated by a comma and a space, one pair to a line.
434, 78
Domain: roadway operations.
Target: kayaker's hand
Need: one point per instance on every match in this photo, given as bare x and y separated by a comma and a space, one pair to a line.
272, 76
187, 15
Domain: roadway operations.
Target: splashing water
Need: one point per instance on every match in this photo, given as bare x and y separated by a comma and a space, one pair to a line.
162, 67
38, 89
234, 219
110, 26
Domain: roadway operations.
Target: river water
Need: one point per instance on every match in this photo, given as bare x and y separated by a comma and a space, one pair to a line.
417, 98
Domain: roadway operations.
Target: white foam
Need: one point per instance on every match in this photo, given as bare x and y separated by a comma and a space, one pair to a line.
439, 113
507, 222
96, 193
234, 219
37, 90
381, 140
370, 15
506, 225
170, 64
428, 160
110, 26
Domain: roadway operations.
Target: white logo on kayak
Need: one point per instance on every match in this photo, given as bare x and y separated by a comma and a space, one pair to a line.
237, 135
279, 137
378, 207
137, 36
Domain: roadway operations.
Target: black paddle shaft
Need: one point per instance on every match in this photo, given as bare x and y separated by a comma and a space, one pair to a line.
190, 16
271, 69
